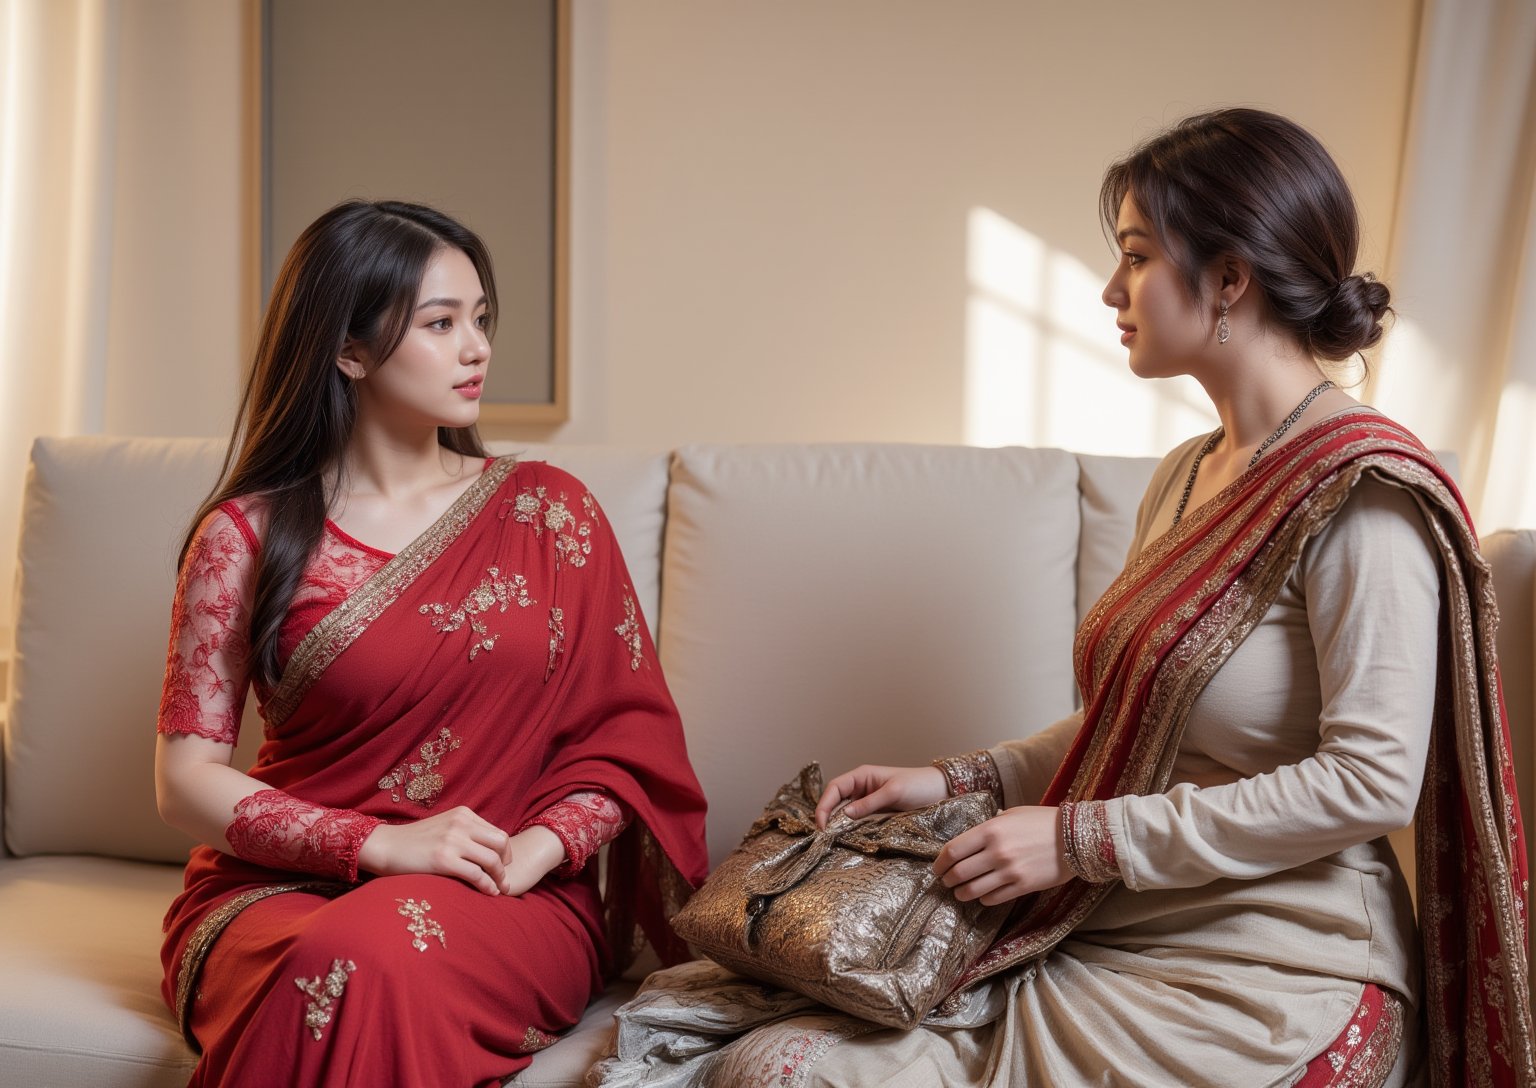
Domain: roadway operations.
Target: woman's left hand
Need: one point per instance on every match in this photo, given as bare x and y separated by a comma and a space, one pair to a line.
529, 856
1016, 852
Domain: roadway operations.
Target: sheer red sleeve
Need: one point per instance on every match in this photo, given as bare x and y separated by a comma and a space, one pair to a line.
584, 822
206, 665
278, 830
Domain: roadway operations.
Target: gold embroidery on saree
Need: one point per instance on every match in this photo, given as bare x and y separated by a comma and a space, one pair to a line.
420, 780
323, 993
419, 925
534, 507
345, 623
629, 631
492, 592
535, 1040
200, 943
556, 641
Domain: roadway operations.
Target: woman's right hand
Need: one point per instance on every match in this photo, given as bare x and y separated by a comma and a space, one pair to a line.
882, 789
455, 843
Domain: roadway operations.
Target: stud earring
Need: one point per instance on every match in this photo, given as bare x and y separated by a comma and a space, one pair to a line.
1223, 330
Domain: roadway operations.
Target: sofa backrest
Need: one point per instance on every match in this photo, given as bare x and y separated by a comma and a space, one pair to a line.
848, 604
862, 604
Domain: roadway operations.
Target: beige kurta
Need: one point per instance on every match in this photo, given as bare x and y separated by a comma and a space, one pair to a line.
1259, 891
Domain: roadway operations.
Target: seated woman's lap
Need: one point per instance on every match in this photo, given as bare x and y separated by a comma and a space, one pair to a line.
403, 971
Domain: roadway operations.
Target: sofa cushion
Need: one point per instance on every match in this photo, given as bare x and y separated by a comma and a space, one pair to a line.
881, 604
80, 955
101, 525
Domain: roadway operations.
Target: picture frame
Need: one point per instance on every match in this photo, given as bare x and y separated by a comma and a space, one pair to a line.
480, 130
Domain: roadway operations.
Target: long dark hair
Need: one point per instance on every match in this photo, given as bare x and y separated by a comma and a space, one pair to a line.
1252, 184
352, 275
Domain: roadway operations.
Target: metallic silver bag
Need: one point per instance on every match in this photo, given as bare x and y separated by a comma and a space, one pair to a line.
852, 916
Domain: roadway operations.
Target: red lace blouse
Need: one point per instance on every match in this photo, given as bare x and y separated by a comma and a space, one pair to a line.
207, 677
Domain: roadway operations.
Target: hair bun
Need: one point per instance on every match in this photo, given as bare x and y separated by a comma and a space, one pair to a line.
1350, 320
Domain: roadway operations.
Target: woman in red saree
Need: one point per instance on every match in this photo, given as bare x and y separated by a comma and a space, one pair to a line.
1298, 655
460, 700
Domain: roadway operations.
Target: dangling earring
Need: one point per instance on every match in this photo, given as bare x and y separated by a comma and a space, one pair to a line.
1223, 330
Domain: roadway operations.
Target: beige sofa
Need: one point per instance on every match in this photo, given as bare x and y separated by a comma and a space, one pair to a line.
845, 603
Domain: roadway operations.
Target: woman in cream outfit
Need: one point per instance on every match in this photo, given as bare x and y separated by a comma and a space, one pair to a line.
1203, 890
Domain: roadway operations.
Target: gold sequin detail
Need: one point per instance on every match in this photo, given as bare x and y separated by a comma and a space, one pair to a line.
556, 641
534, 1039
347, 622
973, 772
629, 631
535, 507
420, 779
1370, 1065
201, 942
1092, 845
421, 927
492, 592
323, 994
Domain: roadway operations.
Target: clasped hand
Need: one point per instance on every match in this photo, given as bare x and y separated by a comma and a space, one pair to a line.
1016, 852
460, 843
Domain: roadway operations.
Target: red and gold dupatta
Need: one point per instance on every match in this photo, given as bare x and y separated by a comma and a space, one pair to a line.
1174, 616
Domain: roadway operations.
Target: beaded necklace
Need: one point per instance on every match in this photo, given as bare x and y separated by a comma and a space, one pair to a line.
1210, 444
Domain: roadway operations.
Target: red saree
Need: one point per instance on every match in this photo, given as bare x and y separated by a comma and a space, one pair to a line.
498, 662
1177, 612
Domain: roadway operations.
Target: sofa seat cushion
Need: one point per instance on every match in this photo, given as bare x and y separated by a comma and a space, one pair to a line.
80, 955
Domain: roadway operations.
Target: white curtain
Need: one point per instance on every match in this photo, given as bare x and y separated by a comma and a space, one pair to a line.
1460, 365
57, 128
126, 203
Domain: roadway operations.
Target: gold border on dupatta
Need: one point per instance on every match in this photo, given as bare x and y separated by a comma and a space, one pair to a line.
1229, 602
345, 623
195, 953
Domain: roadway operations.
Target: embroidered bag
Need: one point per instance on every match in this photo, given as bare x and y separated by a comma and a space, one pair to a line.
852, 916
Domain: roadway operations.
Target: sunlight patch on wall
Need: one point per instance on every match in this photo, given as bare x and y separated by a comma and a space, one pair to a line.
1044, 365
1509, 498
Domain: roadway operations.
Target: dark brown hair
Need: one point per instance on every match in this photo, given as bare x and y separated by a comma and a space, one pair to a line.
352, 275
1251, 184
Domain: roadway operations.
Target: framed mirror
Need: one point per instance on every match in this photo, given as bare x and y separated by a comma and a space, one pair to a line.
460, 104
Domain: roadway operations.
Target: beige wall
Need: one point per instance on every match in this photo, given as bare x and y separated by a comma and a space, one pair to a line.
774, 205
806, 220
779, 208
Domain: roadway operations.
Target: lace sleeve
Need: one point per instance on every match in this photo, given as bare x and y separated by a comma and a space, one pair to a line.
206, 673
280, 831
584, 822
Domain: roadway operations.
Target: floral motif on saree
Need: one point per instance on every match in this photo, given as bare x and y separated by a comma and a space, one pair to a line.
492, 592
323, 994
421, 780
573, 540
420, 926
629, 631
